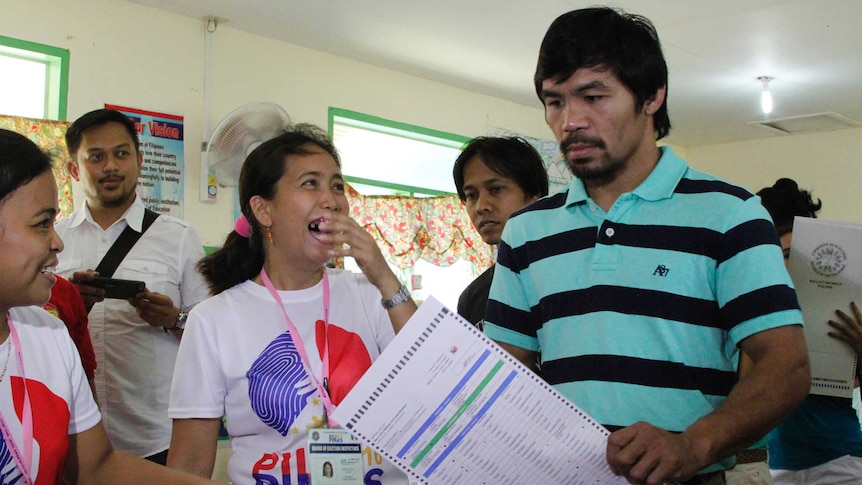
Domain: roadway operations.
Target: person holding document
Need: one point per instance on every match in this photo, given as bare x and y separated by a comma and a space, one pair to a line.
285, 338
638, 281
821, 442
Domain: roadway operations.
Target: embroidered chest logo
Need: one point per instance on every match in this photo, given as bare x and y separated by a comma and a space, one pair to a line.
661, 270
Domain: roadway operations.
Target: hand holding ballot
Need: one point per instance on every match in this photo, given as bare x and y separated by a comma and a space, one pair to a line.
448, 405
826, 267
849, 329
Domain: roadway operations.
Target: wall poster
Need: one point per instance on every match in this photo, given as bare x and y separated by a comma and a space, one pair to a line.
558, 170
160, 185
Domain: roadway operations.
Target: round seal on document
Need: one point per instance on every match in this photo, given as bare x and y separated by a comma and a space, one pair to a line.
828, 259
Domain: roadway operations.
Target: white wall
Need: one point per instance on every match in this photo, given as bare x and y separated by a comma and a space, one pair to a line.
126, 54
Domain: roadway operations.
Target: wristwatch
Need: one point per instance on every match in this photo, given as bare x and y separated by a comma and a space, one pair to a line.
181, 322
402, 296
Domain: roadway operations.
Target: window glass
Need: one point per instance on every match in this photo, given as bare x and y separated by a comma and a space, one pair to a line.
397, 158
384, 157
36, 79
22, 94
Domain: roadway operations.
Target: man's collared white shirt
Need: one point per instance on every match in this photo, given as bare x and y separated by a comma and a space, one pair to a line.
135, 361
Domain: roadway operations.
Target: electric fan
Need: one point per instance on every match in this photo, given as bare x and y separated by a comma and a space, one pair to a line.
238, 134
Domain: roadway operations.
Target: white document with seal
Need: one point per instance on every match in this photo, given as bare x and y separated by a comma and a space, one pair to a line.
826, 268
447, 405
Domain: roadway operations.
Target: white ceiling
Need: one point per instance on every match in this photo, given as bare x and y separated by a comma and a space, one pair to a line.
715, 49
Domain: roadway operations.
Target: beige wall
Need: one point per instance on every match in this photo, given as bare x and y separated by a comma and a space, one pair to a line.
829, 164
126, 54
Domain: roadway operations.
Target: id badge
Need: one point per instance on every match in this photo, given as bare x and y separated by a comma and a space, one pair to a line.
335, 457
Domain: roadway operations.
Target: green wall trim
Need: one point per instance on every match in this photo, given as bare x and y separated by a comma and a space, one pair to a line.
382, 125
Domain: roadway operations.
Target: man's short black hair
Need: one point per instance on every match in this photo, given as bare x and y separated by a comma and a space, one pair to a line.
603, 37
98, 117
511, 157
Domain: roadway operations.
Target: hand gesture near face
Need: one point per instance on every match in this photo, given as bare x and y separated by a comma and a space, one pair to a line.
351, 239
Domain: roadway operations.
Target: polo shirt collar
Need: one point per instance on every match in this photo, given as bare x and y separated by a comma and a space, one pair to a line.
659, 184
662, 181
577, 193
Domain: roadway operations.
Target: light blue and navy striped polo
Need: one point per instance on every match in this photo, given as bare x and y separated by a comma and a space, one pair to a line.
637, 312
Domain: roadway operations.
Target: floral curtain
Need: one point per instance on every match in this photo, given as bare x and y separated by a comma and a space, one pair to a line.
436, 229
50, 136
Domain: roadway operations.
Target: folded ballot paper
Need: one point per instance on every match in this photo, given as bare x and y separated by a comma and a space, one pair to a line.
448, 405
826, 268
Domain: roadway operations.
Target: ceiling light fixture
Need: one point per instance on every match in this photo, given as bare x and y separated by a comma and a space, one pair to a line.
765, 95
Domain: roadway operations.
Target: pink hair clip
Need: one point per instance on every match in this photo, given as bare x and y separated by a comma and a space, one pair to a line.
242, 227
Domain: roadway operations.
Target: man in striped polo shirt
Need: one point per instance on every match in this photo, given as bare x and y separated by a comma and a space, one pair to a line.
642, 279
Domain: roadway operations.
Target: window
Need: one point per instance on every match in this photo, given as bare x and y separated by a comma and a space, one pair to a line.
384, 157
39, 80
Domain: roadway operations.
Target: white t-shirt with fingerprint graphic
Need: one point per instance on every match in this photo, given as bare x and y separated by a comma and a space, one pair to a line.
237, 359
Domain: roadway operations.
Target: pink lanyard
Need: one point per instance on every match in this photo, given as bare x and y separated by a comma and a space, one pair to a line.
22, 460
322, 387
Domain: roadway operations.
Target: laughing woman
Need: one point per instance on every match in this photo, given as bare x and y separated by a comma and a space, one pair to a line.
284, 338
51, 427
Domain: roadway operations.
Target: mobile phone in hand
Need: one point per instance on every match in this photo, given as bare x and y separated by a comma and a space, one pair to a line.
117, 288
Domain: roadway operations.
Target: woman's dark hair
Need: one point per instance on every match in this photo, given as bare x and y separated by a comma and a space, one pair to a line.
21, 161
241, 258
511, 157
604, 37
784, 201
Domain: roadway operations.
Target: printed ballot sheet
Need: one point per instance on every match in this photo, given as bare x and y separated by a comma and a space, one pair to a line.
448, 405
826, 269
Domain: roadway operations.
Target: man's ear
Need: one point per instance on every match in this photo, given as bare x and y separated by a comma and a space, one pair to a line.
653, 104
260, 207
72, 167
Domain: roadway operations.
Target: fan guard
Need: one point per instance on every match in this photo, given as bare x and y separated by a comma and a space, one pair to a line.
238, 134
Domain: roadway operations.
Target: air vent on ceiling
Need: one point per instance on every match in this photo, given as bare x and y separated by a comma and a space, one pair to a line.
806, 123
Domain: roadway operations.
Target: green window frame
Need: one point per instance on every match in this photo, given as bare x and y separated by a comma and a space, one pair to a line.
57, 63
400, 129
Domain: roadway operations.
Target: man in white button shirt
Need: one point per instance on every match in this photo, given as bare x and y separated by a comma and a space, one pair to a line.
135, 340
